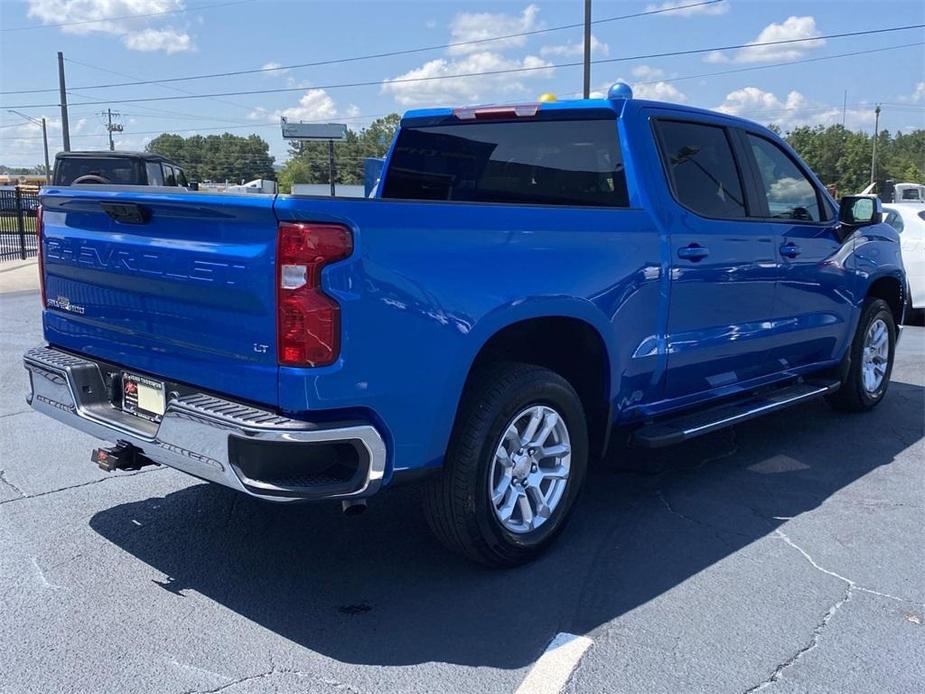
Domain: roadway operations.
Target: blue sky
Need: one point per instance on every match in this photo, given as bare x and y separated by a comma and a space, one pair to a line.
209, 36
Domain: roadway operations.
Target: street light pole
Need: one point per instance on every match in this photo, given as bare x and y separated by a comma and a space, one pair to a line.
44, 139
873, 155
65, 130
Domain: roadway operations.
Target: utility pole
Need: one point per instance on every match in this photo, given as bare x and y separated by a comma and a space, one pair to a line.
844, 109
112, 127
44, 139
873, 156
332, 170
65, 131
587, 67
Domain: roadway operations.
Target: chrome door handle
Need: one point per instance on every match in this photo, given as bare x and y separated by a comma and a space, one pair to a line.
693, 252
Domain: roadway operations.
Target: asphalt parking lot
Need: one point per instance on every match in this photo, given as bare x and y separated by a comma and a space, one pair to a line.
785, 555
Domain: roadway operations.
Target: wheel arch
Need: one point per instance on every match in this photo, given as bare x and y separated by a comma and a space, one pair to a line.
567, 344
892, 290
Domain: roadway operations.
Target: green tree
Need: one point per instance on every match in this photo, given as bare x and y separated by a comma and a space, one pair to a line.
223, 157
308, 161
843, 157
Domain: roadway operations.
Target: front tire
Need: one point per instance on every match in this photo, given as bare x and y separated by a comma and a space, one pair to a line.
867, 378
514, 466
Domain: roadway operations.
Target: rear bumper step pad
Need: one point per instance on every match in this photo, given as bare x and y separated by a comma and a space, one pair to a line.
209, 437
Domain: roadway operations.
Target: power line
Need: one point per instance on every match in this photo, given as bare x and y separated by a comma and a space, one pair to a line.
198, 8
372, 56
162, 86
531, 68
359, 117
787, 63
410, 51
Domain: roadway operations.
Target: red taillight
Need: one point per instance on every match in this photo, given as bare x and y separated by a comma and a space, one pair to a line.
308, 320
40, 244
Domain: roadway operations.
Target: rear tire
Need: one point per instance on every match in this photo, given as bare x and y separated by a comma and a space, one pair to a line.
499, 500
867, 378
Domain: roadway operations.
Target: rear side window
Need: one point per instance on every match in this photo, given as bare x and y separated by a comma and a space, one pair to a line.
789, 193
574, 162
170, 179
119, 171
155, 175
701, 169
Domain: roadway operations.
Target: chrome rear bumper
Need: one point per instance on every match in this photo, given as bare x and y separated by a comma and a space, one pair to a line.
203, 435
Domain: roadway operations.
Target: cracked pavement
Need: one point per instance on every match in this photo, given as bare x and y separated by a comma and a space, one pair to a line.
782, 556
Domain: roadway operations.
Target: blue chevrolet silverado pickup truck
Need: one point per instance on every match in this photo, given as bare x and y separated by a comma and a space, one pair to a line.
528, 284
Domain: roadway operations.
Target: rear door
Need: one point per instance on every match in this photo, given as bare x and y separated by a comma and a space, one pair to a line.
813, 304
179, 285
723, 267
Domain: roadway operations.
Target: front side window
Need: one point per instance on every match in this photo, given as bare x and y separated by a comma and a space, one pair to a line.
181, 178
789, 192
526, 162
702, 169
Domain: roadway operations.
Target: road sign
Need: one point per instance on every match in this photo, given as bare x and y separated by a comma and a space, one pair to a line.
313, 131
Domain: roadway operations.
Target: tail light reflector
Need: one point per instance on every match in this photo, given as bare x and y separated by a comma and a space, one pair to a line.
308, 320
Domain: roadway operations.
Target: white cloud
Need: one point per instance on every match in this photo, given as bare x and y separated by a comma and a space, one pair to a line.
917, 96
715, 9
573, 50
475, 26
659, 91
167, 40
24, 146
273, 69
791, 111
117, 18
791, 28
647, 72
314, 105
465, 89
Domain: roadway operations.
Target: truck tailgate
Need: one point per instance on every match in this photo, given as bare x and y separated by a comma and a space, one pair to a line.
182, 285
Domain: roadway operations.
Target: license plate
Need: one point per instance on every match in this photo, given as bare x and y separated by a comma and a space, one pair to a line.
143, 397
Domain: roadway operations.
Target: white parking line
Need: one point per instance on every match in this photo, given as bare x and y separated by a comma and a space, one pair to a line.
550, 673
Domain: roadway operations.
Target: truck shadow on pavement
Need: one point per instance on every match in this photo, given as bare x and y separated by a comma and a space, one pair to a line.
377, 589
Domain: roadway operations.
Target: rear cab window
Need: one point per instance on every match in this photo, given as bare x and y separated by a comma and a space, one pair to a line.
552, 162
116, 170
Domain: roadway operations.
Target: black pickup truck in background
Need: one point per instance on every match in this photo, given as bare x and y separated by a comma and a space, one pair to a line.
117, 168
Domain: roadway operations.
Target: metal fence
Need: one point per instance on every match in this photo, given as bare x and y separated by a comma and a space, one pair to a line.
18, 239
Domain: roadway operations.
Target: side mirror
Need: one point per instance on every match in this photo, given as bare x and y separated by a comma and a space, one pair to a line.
860, 210
193, 185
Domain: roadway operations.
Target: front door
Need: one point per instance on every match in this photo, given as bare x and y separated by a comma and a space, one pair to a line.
812, 304
723, 266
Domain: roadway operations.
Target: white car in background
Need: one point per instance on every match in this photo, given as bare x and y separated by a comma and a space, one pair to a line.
908, 218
